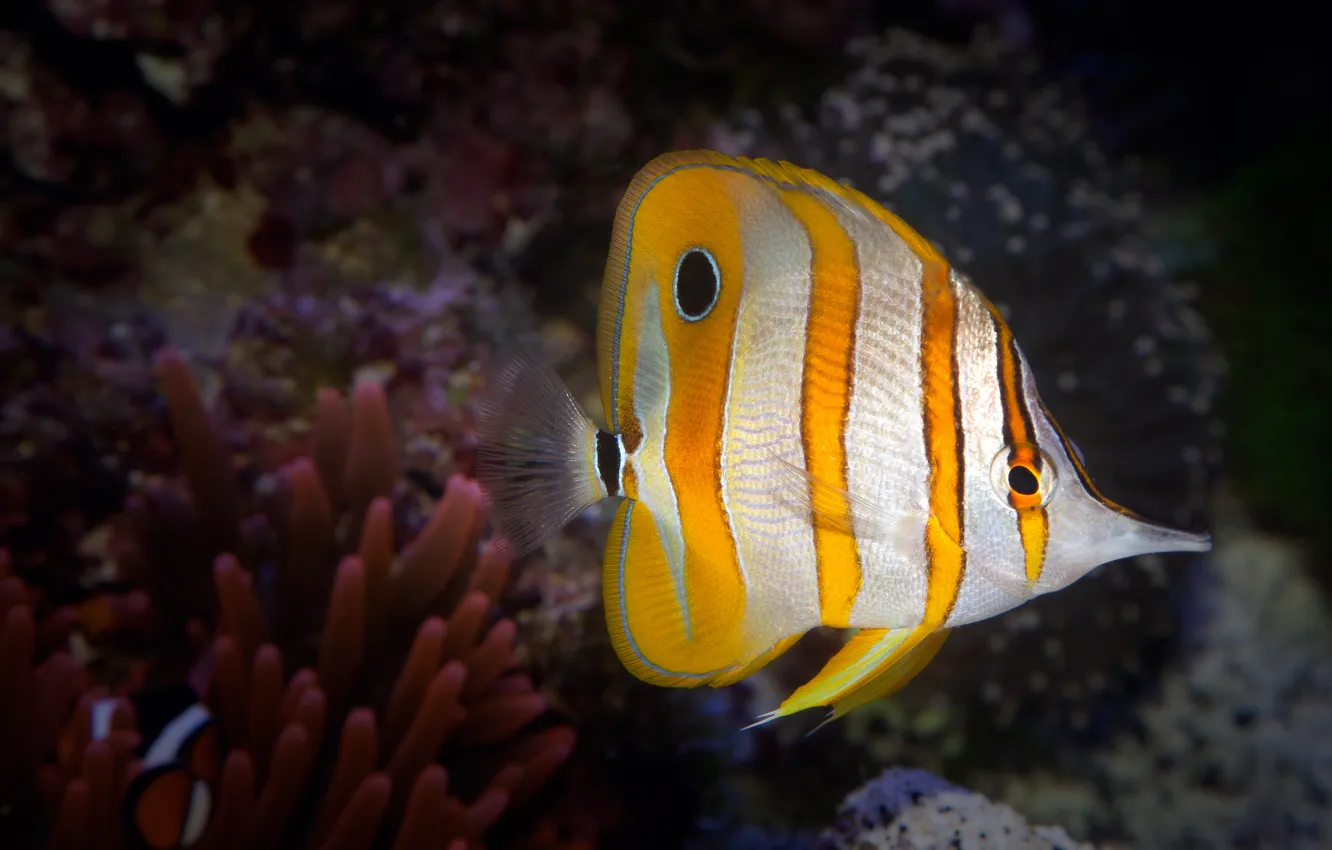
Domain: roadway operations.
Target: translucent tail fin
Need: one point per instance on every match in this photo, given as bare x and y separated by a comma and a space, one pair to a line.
537, 453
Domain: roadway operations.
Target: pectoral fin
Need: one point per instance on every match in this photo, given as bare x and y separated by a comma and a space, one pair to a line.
893, 676
872, 664
849, 514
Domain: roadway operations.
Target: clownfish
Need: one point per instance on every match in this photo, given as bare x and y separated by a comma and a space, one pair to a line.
814, 420
169, 802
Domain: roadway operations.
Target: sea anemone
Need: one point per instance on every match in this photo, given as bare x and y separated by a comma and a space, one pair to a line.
365, 691
38, 763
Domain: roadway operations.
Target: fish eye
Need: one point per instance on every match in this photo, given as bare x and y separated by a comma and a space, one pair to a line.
1023, 480
697, 284
1023, 476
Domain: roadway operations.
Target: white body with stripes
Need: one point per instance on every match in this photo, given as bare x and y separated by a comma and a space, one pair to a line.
813, 421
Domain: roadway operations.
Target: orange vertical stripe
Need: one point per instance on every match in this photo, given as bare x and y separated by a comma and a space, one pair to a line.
699, 355
1034, 528
941, 407
825, 401
1033, 522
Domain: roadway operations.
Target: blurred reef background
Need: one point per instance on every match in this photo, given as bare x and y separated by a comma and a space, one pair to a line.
255, 259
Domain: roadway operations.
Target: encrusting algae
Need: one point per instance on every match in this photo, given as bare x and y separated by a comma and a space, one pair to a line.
363, 691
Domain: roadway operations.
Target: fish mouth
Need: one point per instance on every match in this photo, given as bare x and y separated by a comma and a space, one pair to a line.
1165, 539
1172, 540
1135, 535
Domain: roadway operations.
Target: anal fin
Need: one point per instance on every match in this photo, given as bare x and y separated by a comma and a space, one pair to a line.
873, 664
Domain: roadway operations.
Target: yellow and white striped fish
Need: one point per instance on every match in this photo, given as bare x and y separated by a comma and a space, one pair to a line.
814, 421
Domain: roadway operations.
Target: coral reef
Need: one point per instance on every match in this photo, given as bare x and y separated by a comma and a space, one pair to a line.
157, 102
325, 740
903, 808
992, 161
475, 116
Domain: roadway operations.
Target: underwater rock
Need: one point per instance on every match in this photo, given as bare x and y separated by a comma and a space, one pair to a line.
996, 165
907, 808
